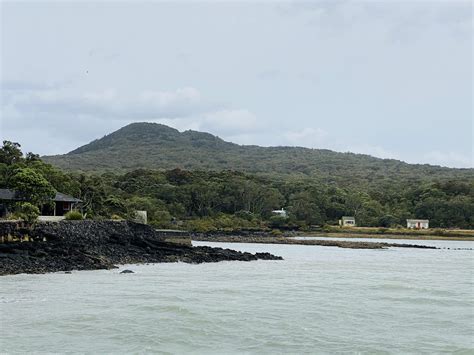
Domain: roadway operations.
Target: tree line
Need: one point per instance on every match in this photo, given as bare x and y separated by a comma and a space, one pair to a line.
206, 200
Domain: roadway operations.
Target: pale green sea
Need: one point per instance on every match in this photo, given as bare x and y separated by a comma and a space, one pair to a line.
318, 300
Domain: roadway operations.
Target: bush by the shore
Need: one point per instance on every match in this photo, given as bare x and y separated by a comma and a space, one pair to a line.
74, 216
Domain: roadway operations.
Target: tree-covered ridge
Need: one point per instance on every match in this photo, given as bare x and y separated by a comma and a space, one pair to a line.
205, 200
154, 146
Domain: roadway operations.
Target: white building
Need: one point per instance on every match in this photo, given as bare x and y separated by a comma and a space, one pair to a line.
141, 217
281, 213
347, 221
418, 223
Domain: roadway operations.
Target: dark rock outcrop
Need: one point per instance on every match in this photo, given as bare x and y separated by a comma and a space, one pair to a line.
268, 239
90, 245
127, 272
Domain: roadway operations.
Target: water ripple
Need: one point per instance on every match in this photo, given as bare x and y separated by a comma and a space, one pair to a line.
318, 300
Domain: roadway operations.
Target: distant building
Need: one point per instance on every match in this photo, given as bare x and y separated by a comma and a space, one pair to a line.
418, 223
281, 213
62, 204
141, 217
347, 221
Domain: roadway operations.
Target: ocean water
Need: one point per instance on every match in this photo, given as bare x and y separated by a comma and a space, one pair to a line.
318, 300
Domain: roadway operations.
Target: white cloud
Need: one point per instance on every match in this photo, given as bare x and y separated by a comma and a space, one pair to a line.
403, 20
230, 122
373, 150
449, 159
104, 104
55, 110
70, 118
307, 137
270, 74
179, 97
227, 123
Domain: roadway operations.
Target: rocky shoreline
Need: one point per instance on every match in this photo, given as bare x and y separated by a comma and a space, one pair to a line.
267, 239
93, 245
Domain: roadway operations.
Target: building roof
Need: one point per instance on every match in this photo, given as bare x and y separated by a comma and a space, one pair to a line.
418, 220
7, 194
345, 218
60, 197
12, 195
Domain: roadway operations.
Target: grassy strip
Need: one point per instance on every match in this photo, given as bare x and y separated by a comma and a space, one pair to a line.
398, 233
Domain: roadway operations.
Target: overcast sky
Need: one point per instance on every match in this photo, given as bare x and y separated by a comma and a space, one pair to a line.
388, 78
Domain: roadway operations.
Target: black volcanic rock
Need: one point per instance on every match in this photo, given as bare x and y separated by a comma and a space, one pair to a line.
91, 245
127, 272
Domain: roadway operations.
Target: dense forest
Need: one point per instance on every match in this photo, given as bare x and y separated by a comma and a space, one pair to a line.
225, 199
155, 146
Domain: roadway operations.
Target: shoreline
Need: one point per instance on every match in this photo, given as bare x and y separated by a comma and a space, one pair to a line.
344, 233
336, 232
290, 241
94, 245
383, 236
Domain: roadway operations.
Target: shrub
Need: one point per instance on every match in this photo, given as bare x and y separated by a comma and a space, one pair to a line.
27, 212
247, 215
277, 222
162, 219
276, 232
327, 229
387, 221
74, 216
439, 231
201, 225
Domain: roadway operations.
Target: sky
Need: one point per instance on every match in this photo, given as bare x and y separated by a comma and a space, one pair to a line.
392, 79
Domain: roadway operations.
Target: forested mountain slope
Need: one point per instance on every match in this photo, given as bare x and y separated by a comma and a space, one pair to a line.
155, 146
210, 200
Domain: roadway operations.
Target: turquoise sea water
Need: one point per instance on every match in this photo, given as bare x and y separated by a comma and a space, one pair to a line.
318, 300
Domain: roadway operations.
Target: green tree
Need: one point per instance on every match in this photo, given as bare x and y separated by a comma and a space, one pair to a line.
32, 186
10, 153
387, 221
303, 207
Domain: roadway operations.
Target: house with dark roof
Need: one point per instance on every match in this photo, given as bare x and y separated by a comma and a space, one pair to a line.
61, 205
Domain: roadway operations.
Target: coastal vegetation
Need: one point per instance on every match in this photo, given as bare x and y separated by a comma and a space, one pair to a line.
226, 200
73, 216
27, 212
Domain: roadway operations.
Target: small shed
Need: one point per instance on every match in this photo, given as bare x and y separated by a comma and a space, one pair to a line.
64, 203
418, 223
347, 221
141, 217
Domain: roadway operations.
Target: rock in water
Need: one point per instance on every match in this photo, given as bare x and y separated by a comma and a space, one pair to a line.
127, 272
